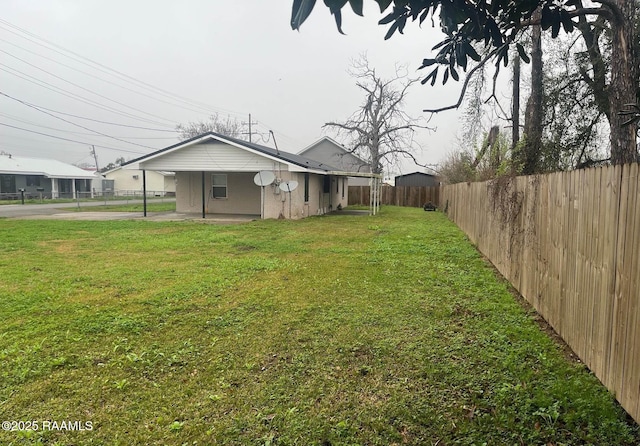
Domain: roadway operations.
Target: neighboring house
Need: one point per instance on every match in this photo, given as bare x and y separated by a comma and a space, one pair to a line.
215, 175
129, 182
42, 177
326, 150
102, 186
417, 179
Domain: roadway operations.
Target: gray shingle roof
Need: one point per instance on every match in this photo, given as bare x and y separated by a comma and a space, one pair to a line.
284, 156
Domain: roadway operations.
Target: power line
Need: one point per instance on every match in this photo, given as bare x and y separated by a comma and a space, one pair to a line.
70, 140
105, 80
52, 47
73, 123
107, 70
81, 87
71, 95
97, 120
75, 133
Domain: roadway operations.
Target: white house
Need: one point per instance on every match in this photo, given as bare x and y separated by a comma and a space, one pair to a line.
129, 182
46, 177
215, 175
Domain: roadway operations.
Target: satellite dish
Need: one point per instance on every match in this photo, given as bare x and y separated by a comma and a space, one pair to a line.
288, 186
264, 178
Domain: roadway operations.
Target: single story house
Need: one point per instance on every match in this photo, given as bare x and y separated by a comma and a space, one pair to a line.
326, 150
217, 174
39, 176
129, 182
420, 179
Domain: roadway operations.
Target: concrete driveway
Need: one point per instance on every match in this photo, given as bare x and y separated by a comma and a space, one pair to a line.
67, 211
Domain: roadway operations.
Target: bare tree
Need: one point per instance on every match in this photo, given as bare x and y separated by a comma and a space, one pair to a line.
229, 127
380, 130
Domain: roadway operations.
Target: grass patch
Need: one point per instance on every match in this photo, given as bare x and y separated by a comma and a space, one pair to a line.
329, 331
133, 207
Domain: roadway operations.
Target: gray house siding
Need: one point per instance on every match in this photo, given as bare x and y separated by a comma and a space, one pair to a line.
330, 152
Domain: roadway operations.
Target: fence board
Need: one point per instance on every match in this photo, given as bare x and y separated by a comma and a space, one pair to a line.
409, 196
569, 243
599, 311
627, 310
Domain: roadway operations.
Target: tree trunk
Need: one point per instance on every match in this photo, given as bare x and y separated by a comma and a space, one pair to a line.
533, 115
597, 82
623, 81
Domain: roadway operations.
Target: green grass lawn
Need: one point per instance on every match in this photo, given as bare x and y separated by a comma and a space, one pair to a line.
336, 330
137, 207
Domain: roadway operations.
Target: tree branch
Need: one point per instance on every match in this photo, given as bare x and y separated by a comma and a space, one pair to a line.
465, 84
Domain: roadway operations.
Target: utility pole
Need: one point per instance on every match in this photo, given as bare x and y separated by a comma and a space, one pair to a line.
275, 143
95, 157
250, 123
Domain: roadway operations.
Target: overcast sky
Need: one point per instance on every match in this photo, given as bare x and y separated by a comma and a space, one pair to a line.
230, 57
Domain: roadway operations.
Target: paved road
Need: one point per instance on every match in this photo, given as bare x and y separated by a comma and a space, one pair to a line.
48, 209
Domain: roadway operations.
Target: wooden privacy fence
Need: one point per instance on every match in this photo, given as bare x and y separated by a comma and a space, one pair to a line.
569, 242
409, 196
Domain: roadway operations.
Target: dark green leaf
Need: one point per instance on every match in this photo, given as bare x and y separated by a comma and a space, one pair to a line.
496, 35
471, 52
300, 11
454, 74
356, 6
383, 4
388, 18
487, 35
335, 5
445, 78
555, 29
523, 54
424, 15
402, 21
567, 24
427, 63
444, 42
392, 29
547, 18
338, 17
461, 57
431, 77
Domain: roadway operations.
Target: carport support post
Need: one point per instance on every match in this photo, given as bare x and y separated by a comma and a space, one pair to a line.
204, 200
144, 192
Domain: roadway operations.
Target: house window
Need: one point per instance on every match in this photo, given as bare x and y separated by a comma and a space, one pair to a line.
342, 187
337, 185
8, 184
33, 180
306, 187
219, 182
326, 185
